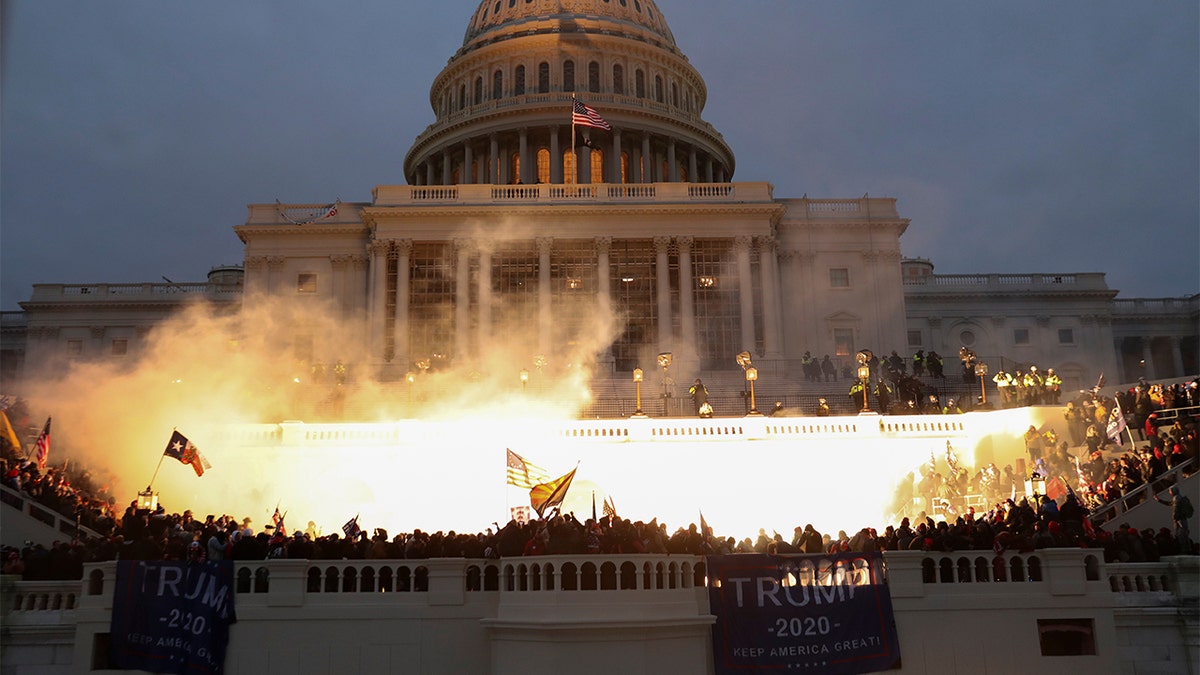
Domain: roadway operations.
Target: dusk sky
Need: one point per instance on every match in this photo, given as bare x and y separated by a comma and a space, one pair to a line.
1018, 136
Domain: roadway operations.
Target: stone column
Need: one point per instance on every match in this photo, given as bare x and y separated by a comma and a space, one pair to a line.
462, 299
400, 355
275, 265
708, 169
485, 294
662, 287
338, 264
523, 149
647, 161
556, 160
493, 160
583, 164
741, 247
447, 165
545, 314
378, 251
687, 302
672, 165
428, 172
603, 288
468, 160
1177, 355
692, 176
614, 162
772, 335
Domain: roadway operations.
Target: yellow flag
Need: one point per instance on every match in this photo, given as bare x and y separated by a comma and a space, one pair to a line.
6, 431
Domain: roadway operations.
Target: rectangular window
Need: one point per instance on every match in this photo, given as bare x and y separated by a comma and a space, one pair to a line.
1021, 336
1066, 336
839, 277
914, 338
120, 347
843, 341
74, 347
306, 283
1067, 637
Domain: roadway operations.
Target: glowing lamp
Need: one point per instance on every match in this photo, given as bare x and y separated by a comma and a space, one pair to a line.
637, 380
864, 374
147, 500
981, 371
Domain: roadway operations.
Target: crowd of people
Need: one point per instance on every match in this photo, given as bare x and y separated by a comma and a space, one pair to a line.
1075, 479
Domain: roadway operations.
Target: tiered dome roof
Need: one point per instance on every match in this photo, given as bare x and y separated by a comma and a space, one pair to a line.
634, 18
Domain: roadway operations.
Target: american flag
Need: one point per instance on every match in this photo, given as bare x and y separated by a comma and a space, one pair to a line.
43, 446
277, 518
351, 528
524, 474
585, 115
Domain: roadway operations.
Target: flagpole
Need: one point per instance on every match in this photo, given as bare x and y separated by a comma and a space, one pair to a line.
160, 459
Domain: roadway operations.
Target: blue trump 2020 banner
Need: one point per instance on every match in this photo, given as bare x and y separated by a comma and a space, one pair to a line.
172, 617
817, 613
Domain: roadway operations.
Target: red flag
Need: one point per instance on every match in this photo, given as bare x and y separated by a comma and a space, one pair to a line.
43, 446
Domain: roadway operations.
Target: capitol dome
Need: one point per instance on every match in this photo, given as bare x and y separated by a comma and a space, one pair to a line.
503, 102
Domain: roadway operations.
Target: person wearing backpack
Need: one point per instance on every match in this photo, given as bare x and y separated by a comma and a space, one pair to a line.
1181, 511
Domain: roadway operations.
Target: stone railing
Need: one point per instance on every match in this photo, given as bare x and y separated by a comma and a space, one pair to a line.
1047, 282
131, 292
487, 194
1155, 306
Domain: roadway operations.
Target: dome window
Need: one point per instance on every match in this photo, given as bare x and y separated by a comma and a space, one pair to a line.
543, 78
594, 76
618, 80
497, 84
568, 74
519, 81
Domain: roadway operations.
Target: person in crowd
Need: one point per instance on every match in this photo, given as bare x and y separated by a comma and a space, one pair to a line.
699, 395
828, 369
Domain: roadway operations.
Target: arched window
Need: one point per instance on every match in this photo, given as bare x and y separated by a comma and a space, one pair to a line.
568, 80
658, 88
543, 78
543, 165
478, 91
639, 81
674, 95
665, 168
624, 167
462, 97
594, 76
570, 175
497, 85
597, 165
618, 79
683, 175
515, 167
519, 81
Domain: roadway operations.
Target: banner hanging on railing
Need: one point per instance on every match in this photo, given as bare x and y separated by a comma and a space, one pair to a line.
172, 617
801, 613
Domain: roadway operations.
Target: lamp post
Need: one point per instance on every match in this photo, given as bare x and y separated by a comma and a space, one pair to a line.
751, 376
524, 380
664, 361
637, 380
864, 375
981, 371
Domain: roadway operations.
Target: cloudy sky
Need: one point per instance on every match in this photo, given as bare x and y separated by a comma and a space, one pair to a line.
1018, 136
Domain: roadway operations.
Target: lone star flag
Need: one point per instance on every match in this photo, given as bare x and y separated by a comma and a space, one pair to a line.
585, 115
524, 474
551, 494
182, 449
